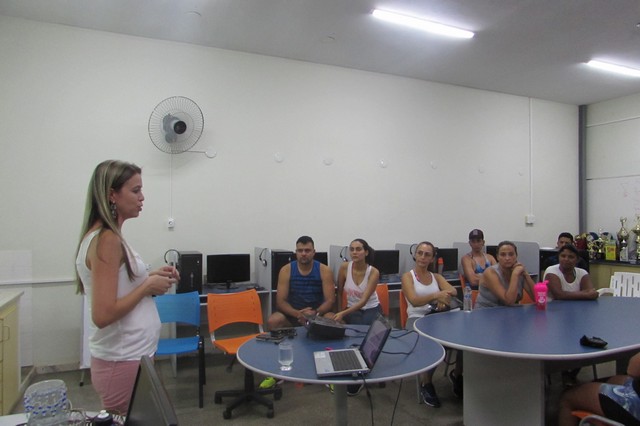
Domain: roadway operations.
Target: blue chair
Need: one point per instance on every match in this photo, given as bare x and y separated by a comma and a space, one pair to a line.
183, 308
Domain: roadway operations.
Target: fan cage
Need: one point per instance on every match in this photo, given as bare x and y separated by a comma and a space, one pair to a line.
183, 109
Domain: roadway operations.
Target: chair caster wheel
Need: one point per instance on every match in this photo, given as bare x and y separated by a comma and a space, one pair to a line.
270, 414
217, 399
277, 394
226, 414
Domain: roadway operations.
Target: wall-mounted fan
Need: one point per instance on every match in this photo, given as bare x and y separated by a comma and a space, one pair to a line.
176, 124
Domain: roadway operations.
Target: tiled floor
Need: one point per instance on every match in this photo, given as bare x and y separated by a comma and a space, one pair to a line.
395, 404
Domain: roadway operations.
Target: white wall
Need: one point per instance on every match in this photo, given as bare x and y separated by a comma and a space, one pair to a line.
613, 164
457, 158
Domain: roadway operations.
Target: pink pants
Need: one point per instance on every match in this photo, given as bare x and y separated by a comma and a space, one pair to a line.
114, 380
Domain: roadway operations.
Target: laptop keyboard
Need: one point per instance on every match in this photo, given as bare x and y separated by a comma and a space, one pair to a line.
344, 360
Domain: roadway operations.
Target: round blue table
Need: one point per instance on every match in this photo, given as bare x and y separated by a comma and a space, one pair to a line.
397, 360
508, 351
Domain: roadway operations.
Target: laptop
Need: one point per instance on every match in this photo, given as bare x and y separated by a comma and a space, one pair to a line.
354, 361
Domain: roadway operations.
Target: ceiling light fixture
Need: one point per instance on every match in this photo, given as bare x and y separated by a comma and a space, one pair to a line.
618, 69
421, 24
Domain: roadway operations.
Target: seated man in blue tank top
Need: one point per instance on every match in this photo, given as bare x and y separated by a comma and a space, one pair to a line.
305, 287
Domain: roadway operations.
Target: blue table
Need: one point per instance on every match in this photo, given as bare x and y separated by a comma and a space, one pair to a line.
262, 357
509, 350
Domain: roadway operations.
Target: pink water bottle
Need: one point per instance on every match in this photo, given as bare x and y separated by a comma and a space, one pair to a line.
540, 290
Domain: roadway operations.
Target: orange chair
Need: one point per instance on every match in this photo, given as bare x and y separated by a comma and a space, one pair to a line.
382, 290
383, 296
590, 419
526, 299
403, 309
229, 308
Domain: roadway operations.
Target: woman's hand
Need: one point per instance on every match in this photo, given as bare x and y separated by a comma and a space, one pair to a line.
167, 271
443, 297
159, 284
591, 294
519, 269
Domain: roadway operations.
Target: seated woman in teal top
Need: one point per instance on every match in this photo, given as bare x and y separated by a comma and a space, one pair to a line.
503, 283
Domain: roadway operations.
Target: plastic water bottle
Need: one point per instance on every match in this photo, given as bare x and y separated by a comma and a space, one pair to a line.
467, 300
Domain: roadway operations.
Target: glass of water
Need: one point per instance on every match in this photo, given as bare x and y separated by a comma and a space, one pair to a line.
285, 355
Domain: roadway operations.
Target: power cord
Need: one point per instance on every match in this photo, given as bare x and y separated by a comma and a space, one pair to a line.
406, 332
366, 388
395, 405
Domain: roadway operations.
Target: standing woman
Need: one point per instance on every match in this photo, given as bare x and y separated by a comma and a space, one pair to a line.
421, 288
358, 279
124, 320
476, 261
503, 283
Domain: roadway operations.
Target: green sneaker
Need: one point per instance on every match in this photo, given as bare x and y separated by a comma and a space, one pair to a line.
267, 383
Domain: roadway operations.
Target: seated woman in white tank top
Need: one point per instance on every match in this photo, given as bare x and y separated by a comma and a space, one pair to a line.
358, 280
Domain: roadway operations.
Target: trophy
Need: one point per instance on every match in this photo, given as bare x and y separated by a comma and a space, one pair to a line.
623, 237
599, 245
591, 246
636, 231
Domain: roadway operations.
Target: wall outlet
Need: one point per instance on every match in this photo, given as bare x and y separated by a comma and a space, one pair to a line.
171, 223
529, 219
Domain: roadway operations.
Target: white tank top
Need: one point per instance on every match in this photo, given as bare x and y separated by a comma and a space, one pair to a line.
566, 286
355, 291
421, 290
134, 335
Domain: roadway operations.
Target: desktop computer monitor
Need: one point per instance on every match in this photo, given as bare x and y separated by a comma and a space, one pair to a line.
387, 262
150, 405
449, 257
322, 257
228, 269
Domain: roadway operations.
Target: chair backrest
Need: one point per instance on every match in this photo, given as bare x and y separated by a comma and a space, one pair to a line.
180, 308
382, 290
526, 299
463, 282
590, 419
228, 308
474, 296
625, 284
403, 309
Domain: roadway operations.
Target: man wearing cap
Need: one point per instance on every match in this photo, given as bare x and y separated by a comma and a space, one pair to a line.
476, 261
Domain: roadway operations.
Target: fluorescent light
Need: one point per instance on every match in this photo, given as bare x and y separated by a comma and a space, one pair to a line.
618, 69
421, 24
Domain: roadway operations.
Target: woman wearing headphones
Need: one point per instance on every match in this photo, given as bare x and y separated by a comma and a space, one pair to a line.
358, 279
422, 288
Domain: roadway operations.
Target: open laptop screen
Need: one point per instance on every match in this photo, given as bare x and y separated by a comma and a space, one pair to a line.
150, 404
374, 340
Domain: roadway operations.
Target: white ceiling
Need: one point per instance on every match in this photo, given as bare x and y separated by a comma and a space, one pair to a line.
533, 48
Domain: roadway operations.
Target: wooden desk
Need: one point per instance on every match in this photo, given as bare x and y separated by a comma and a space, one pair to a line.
601, 271
9, 346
